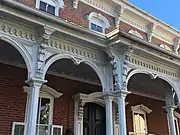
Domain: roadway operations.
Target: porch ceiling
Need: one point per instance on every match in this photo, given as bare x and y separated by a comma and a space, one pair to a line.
141, 83
9, 55
67, 67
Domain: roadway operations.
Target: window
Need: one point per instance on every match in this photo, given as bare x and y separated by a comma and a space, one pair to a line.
176, 121
96, 28
139, 119
47, 8
44, 116
97, 22
166, 47
50, 6
45, 109
140, 123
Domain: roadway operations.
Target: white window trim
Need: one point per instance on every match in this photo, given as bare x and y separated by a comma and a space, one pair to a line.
135, 33
57, 4
100, 18
166, 47
177, 119
45, 92
140, 109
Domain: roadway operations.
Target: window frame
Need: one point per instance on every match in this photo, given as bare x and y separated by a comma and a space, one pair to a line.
143, 110
45, 92
51, 98
55, 3
177, 120
98, 20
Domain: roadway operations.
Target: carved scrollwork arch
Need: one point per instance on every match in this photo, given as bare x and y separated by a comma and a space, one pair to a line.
77, 61
22, 50
153, 76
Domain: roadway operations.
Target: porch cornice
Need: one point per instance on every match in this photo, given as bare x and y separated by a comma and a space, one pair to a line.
123, 38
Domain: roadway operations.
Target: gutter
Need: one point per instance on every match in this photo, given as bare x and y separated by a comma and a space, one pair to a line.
54, 19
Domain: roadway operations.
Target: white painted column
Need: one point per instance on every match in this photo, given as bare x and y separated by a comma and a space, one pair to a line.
122, 112
116, 123
109, 114
35, 85
78, 118
170, 115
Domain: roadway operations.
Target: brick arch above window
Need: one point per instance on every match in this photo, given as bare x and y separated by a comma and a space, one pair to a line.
50, 6
98, 22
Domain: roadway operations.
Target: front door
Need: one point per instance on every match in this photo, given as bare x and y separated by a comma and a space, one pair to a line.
94, 121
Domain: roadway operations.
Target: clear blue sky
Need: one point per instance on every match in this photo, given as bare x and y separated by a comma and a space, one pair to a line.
166, 10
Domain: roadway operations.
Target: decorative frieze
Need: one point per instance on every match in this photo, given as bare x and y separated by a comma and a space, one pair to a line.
133, 23
24, 34
77, 51
151, 66
165, 39
100, 6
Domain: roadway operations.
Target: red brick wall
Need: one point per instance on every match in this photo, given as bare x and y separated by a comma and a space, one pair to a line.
13, 102
12, 97
126, 27
64, 106
31, 3
158, 42
157, 120
77, 16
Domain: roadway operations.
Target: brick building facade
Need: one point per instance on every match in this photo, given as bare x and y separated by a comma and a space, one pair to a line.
87, 67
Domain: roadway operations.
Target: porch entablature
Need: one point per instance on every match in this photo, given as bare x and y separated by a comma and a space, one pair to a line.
54, 48
146, 56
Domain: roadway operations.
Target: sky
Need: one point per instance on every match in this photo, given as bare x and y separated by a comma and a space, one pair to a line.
167, 11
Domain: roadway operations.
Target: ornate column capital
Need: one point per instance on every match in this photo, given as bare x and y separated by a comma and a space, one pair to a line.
151, 28
35, 81
122, 93
108, 96
45, 33
44, 36
118, 15
120, 58
170, 107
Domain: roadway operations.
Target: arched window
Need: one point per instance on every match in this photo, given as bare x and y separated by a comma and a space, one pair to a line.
166, 47
97, 22
135, 33
139, 118
50, 6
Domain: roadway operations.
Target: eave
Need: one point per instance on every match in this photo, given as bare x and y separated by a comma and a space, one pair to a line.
123, 38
